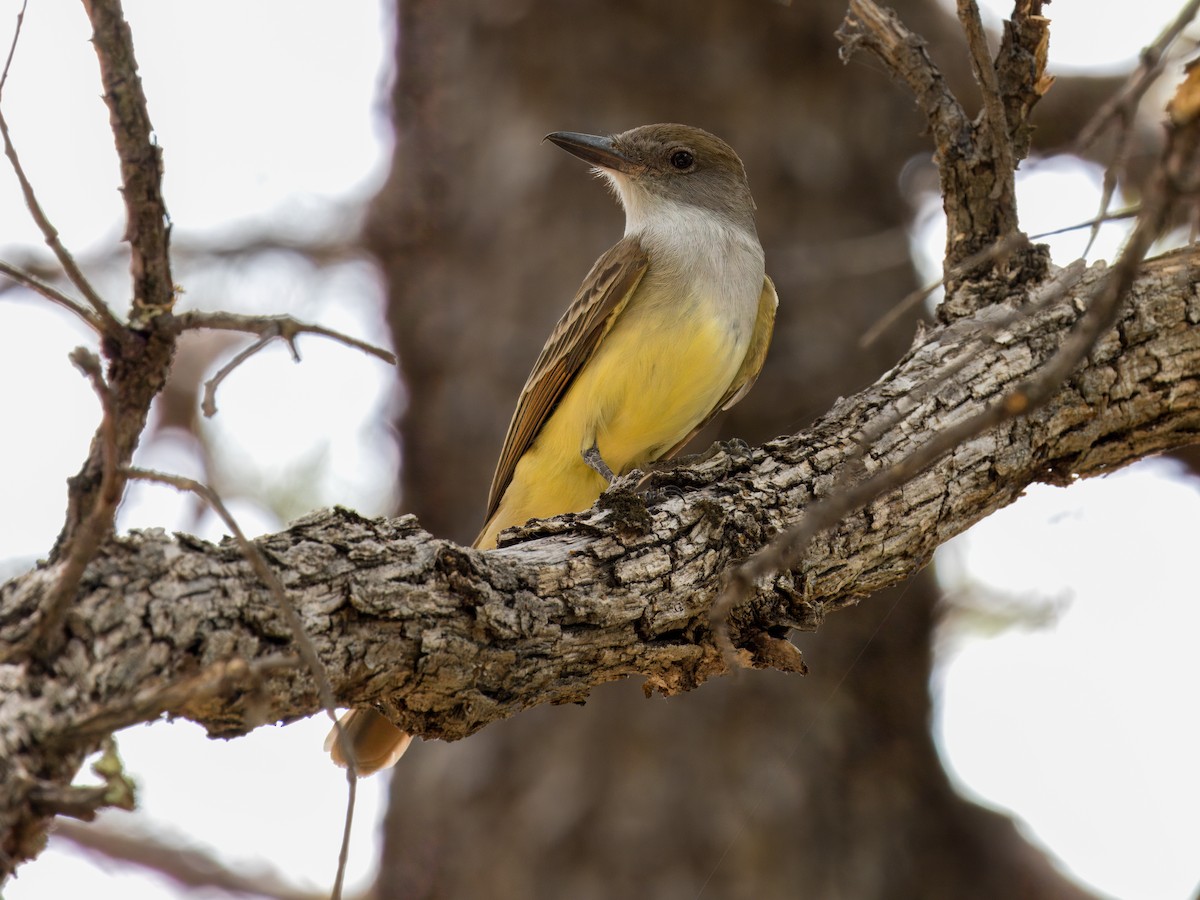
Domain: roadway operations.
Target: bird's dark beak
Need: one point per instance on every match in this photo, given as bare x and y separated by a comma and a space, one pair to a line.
599, 151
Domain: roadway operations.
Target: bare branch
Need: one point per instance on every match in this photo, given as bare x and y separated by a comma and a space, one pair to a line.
869, 26
1121, 215
186, 866
48, 637
52, 294
12, 48
445, 640
147, 225
267, 328
111, 326
103, 320
996, 129
1122, 106
1021, 71
209, 403
139, 356
319, 251
1175, 177
284, 327
1121, 109
975, 162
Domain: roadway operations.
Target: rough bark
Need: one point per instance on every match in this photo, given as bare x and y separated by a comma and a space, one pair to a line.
547, 806
483, 238
448, 639
176, 625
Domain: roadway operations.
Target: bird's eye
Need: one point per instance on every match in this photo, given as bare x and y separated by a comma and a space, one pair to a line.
682, 159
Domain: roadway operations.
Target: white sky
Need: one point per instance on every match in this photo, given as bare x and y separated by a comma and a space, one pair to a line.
269, 112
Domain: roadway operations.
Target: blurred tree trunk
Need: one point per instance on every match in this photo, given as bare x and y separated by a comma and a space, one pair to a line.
764, 786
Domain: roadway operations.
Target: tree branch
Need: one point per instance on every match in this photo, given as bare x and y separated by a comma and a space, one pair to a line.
1174, 180
51, 293
976, 160
267, 328
147, 225
994, 128
139, 355
47, 639
1122, 107
188, 867
1121, 110
300, 638
446, 639
112, 328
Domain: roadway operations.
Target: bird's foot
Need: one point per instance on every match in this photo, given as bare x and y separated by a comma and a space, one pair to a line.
596, 463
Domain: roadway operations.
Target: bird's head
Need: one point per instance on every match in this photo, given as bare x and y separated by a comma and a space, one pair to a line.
654, 168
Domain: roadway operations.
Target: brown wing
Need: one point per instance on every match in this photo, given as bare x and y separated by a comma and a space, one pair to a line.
601, 298
747, 374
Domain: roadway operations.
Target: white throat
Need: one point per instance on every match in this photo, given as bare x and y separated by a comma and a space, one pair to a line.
708, 257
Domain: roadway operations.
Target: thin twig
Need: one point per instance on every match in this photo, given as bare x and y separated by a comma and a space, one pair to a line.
52, 294
1122, 108
998, 248
339, 881
329, 250
267, 328
1113, 173
325, 250
12, 48
285, 327
209, 404
1130, 212
112, 327
104, 317
89, 364
185, 866
1125, 101
308, 652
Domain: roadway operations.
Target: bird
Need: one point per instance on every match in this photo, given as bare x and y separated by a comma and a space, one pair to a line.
670, 327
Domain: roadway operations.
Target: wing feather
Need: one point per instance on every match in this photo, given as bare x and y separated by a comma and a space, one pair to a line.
601, 297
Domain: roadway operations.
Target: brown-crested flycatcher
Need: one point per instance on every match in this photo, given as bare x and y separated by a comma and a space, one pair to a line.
670, 327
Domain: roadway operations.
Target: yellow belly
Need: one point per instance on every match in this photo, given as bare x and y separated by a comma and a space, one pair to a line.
655, 376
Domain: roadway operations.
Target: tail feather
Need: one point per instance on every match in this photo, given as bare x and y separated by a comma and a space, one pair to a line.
372, 741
